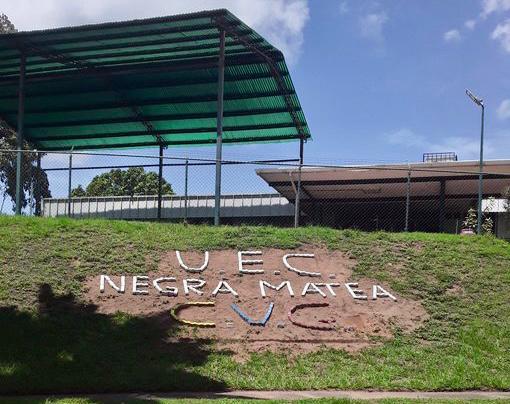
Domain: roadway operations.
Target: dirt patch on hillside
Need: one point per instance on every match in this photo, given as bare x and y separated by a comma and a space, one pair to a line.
353, 323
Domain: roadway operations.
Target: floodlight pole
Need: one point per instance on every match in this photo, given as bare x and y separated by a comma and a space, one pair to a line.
480, 103
19, 130
480, 177
160, 179
219, 128
298, 192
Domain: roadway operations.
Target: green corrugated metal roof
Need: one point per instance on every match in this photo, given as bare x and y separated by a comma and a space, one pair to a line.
143, 82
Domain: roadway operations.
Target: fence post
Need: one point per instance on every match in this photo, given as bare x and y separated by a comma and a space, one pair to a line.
186, 191
298, 192
219, 127
160, 179
69, 185
442, 204
19, 131
38, 186
408, 197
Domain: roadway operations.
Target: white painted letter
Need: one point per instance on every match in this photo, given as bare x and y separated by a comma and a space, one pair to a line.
299, 271
263, 284
169, 290
106, 278
198, 283
330, 287
311, 287
355, 293
378, 291
189, 269
136, 284
249, 262
224, 287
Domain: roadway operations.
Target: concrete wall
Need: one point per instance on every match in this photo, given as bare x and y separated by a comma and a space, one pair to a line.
173, 207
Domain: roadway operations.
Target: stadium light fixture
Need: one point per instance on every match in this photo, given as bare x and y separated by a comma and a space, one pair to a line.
478, 101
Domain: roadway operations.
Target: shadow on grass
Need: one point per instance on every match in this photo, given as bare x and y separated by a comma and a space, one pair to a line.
67, 347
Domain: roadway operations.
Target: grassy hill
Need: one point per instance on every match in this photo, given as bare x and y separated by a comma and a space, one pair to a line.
51, 342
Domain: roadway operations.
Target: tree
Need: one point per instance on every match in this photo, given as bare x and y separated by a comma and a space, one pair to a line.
506, 199
35, 181
471, 221
78, 192
133, 181
6, 25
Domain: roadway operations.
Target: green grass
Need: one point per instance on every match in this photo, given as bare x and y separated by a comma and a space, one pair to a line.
239, 401
51, 343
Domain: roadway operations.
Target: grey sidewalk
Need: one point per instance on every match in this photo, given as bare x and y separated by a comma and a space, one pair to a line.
293, 395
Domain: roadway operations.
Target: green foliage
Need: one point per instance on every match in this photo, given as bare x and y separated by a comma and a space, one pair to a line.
35, 181
133, 181
506, 197
78, 192
471, 221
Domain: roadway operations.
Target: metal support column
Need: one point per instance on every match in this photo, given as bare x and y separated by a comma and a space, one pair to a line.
408, 199
442, 205
19, 131
70, 184
219, 128
160, 180
186, 191
298, 192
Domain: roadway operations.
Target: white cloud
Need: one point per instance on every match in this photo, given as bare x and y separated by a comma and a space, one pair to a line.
51, 160
502, 34
343, 8
452, 36
493, 6
406, 137
372, 24
466, 147
503, 110
280, 21
470, 24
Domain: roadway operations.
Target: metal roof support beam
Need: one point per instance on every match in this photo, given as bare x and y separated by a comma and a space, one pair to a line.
19, 131
270, 62
152, 118
219, 128
179, 65
87, 66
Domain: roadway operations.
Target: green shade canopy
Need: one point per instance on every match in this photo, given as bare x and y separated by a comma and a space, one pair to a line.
148, 82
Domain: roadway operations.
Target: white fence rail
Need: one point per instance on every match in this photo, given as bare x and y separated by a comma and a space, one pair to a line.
145, 207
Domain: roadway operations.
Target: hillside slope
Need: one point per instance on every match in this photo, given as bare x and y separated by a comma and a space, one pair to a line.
51, 341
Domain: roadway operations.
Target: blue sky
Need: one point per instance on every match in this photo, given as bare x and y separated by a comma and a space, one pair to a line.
386, 80
378, 80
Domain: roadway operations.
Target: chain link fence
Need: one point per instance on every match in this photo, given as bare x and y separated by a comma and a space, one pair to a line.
433, 197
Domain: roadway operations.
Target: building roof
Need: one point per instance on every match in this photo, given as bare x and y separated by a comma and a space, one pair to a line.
389, 181
148, 82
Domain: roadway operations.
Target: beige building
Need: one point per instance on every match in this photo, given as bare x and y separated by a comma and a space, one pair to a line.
425, 196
